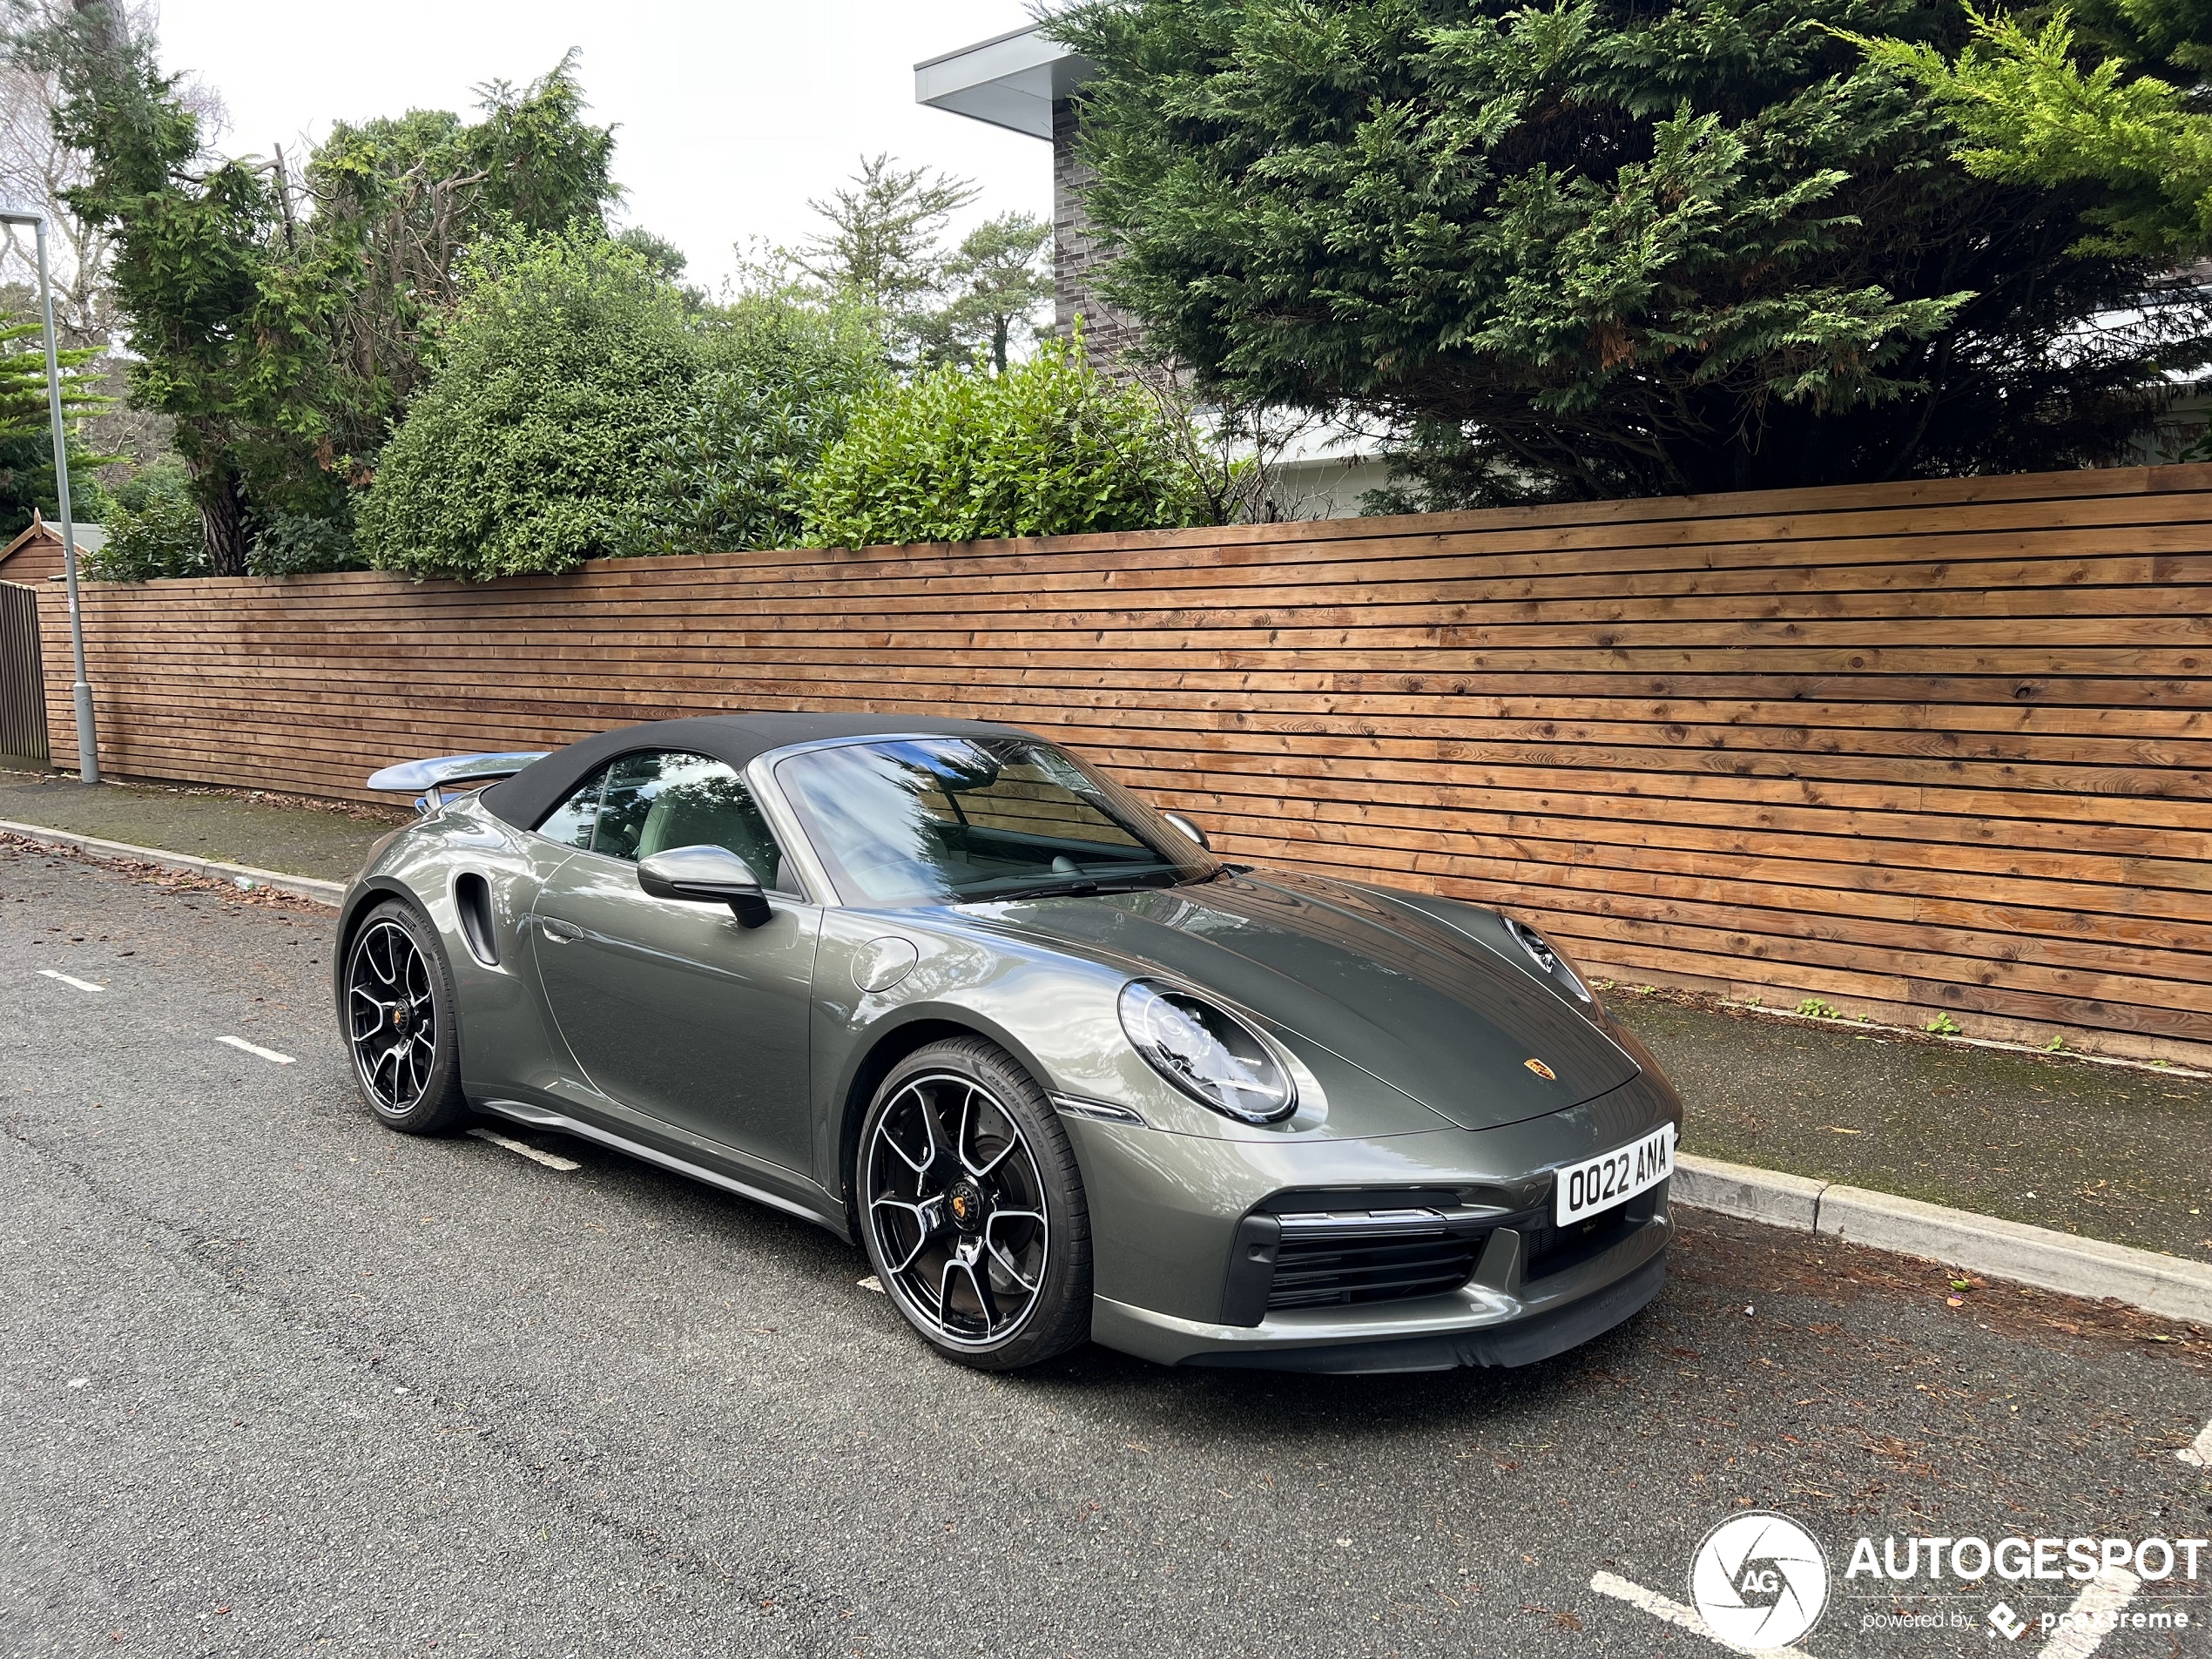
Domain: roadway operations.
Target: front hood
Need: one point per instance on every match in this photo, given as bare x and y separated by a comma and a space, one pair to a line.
1407, 999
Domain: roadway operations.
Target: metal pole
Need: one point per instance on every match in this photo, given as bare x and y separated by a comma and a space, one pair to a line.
88, 746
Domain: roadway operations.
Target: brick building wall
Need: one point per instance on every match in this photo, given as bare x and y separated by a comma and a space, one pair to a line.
1077, 258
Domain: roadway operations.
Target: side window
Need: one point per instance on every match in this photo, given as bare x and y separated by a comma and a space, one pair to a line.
573, 820
665, 799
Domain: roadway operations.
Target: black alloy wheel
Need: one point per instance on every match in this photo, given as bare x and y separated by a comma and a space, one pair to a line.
972, 1209
398, 1022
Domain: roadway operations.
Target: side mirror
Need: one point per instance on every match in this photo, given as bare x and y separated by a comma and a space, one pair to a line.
1188, 827
706, 875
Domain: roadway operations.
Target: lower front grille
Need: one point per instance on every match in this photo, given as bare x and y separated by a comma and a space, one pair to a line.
1335, 1260
1318, 1248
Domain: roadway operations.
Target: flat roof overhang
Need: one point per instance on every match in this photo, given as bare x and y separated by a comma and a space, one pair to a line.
1010, 82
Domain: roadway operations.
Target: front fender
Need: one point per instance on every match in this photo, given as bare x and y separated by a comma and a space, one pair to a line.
956, 982
1058, 1012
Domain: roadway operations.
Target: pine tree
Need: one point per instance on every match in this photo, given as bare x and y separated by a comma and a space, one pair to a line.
2109, 94
1599, 248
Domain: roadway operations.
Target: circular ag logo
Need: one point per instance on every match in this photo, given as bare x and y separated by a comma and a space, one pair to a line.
1759, 1579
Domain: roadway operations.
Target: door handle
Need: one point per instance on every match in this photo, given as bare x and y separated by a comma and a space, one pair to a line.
556, 930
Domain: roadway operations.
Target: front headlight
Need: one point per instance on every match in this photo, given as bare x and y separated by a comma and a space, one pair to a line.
1207, 1052
1548, 957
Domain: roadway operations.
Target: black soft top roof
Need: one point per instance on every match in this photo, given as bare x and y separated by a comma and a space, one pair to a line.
526, 797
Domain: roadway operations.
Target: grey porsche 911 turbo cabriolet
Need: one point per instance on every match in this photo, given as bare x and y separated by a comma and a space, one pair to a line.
942, 987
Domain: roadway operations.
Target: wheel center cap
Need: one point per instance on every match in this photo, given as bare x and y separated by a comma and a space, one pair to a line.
964, 1204
399, 1019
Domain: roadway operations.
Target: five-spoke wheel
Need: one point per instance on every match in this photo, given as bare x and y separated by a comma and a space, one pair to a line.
393, 1016
973, 1216
398, 1021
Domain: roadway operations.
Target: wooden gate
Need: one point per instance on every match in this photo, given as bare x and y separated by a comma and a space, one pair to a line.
23, 679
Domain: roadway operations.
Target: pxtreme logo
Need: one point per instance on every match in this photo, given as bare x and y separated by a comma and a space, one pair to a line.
1759, 1579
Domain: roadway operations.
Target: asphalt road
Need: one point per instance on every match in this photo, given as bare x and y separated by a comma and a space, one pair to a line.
278, 1381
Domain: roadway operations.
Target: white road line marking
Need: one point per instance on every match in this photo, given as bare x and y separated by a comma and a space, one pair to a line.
550, 1160
256, 1048
2108, 1592
70, 979
2199, 1451
872, 1283
1683, 1617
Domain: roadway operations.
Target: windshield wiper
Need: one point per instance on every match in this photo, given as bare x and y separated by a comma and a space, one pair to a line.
1216, 874
1078, 887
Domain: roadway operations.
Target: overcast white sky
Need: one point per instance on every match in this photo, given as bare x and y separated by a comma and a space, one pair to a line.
728, 116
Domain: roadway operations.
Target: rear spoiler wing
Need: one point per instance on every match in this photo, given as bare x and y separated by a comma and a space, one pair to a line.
434, 781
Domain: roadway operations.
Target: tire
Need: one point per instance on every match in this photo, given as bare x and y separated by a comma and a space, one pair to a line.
398, 1017
972, 1209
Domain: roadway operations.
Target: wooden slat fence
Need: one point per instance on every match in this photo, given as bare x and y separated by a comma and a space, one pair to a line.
1938, 746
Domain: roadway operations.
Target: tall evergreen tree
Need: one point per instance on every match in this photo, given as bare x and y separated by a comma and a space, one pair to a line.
2109, 93
188, 255
995, 281
27, 479
881, 249
1594, 248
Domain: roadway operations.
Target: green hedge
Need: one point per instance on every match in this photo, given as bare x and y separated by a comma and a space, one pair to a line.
783, 375
1050, 448
152, 526
567, 360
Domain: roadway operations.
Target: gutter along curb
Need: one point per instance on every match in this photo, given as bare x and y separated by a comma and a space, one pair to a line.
301, 886
2168, 1285
2171, 1287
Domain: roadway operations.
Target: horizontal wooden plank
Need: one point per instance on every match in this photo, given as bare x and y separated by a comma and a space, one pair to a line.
614, 676
2048, 572
1925, 727
2174, 644
2107, 766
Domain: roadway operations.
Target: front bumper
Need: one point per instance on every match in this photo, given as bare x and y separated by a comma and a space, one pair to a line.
1194, 1262
1479, 1325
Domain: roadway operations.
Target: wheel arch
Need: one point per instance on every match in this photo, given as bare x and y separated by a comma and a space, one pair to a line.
893, 1044
369, 892
372, 891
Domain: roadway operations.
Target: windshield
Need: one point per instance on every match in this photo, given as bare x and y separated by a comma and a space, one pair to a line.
938, 820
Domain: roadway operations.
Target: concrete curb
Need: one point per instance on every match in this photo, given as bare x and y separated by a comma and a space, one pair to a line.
301, 886
2167, 1286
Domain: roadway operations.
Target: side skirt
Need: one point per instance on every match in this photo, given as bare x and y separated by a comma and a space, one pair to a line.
541, 1117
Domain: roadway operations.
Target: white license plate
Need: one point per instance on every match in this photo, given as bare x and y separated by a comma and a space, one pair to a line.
1600, 1183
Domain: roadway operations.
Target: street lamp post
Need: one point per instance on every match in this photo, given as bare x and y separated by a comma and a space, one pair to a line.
88, 748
